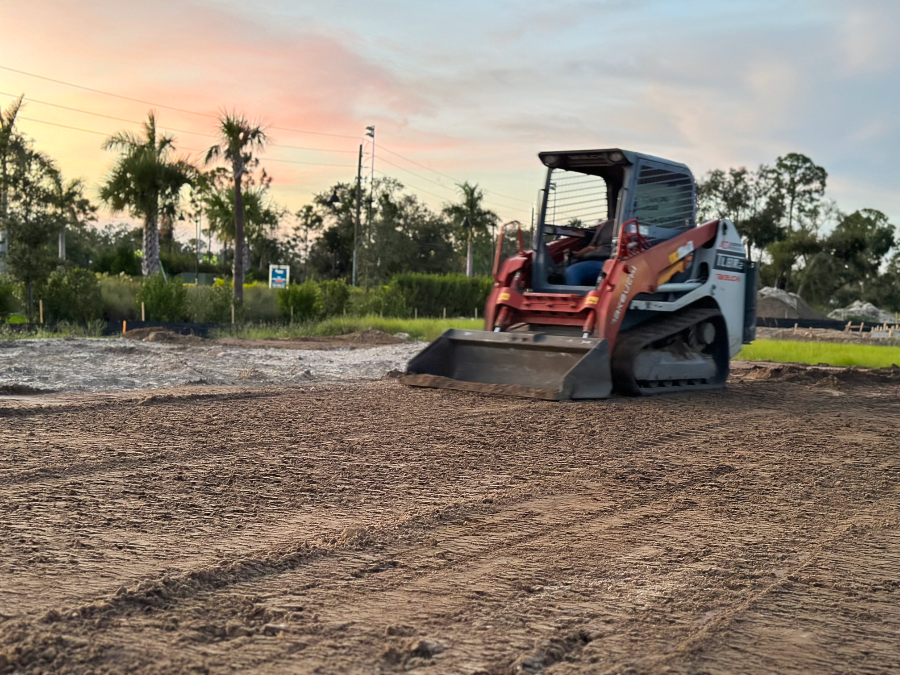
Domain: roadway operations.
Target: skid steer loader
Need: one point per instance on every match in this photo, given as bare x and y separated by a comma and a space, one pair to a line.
663, 307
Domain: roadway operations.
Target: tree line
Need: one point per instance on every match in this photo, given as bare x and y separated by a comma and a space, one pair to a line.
805, 243
229, 191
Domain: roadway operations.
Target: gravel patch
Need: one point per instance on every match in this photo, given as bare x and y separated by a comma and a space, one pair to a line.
108, 365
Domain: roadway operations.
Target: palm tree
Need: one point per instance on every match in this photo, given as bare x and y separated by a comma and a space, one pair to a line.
74, 208
238, 140
146, 180
471, 217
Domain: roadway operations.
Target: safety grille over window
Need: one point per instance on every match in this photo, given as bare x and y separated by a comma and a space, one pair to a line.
576, 199
664, 199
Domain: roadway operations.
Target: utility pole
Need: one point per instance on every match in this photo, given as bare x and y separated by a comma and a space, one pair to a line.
358, 209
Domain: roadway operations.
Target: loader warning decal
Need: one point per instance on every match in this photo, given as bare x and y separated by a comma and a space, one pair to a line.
731, 262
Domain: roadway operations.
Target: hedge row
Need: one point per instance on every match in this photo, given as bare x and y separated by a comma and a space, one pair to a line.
79, 296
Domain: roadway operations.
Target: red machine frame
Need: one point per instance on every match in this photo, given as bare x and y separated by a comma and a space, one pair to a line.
630, 272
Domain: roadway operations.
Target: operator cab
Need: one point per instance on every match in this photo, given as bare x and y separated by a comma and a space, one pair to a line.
584, 189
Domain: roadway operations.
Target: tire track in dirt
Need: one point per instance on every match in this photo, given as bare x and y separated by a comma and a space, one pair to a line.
265, 534
498, 468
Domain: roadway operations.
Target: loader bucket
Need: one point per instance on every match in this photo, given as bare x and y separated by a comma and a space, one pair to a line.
534, 365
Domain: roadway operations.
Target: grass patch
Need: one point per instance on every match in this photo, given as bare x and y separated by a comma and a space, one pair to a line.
831, 353
420, 329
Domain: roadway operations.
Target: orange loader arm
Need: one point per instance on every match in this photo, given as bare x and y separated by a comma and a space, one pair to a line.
634, 271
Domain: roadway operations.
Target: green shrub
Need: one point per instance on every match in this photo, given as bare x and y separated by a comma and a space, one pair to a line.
9, 303
118, 297
121, 259
335, 297
383, 301
210, 304
304, 299
163, 300
261, 303
73, 296
432, 294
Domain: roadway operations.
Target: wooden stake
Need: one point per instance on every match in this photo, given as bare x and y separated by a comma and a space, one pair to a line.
416, 313
232, 313
143, 314
123, 327
41, 309
445, 312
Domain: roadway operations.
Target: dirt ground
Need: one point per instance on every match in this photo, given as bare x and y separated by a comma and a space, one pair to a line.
371, 527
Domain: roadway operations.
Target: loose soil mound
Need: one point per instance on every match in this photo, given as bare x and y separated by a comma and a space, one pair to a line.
865, 311
774, 303
161, 335
816, 374
22, 390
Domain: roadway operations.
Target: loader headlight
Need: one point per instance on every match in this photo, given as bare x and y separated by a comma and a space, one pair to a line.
552, 161
616, 156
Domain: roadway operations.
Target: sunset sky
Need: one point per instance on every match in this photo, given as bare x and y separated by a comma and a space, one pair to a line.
470, 90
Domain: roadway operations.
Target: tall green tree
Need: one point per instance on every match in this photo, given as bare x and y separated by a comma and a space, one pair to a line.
261, 215
752, 200
331, 254
407, 236
238, 141
860, 242
802, 185
146, 180
76, 212
33, 219
470, 218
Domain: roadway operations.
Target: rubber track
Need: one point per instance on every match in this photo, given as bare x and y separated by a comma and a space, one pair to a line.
631, 342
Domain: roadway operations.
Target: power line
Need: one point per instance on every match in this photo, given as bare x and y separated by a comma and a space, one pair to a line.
107, 93
415, 187
64, 126
516, 209
208, 115
291, 161
413, 173
163, 128
428, 168
159, 105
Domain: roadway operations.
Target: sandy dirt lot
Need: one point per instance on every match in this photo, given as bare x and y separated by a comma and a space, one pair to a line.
371, 527
119, 364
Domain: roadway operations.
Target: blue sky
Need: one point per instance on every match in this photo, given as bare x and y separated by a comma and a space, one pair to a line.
475, 89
